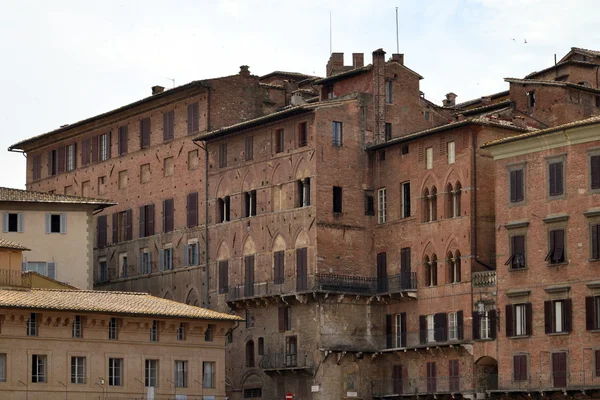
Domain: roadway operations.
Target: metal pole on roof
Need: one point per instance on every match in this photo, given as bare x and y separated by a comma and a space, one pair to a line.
330, 39
397, 37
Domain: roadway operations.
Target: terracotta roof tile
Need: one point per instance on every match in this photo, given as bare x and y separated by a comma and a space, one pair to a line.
287, 73
7, 244
140, 304
539, 132
475, 101
552, 83
561, 64
29, 196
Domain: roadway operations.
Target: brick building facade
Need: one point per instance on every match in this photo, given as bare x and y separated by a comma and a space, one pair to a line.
350, 221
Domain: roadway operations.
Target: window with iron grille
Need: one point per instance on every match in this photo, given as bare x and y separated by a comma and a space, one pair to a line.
77, 369
336, 133
39, 364
77, 327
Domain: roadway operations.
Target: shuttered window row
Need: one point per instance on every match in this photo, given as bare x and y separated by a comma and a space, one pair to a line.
168, 125
436, 327
193, 118
555, 179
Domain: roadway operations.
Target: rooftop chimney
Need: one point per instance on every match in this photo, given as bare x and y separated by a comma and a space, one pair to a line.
485, 100
450, 100
379, 92
244, 70
335, 63
358, 60
157, 89
399, 58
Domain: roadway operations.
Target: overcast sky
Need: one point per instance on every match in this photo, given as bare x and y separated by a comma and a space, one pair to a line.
64, 61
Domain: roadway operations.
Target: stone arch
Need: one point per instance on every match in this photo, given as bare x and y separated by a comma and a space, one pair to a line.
168, 295
277, 177
429, 180
223, 252
453, 173
192, 298
302, 169
249, 247
219, 188
249, 181
278, 243
302, 239
251, 379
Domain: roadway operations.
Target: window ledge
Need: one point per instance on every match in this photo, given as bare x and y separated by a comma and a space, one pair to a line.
520, 337
485, 340
518, 292
518, 269
564, 263
558, 333
593, 260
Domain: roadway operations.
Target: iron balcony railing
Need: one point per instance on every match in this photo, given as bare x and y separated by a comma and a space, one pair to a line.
282, 360
483, 279
550, 380
343, 284
423, 385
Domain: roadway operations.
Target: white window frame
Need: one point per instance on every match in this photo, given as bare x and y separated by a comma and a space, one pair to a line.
181, 372
77, 327
3, 359
429, 157
484, 326
520, 319
451, 150
154, 331
430, 328
208, 374
151, 373
103, 144
382, 205
32, 325
559, 316
115, 372
39, 363
70, 157
452, 326
113, 329
78, 369
398, 326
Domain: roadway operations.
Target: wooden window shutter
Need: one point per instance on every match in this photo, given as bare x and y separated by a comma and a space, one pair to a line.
192, 118
403, 329
476, 324
595, 171
596, 241
529, 318
108, 145
223, 276
115, 228
52, 270
150, 221
441, 327
493, 322
509, 320
597, 352
95, 148
61, 159
129, 224
548, 322
517, 368
388, 331
459, 320
249, 148
281, 319
192, 210
568, 311
590, 320
123, 140
50, 163
422, 329
143, 221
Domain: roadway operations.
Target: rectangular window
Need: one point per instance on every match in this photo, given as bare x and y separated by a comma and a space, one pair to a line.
37, 167
151, 373
192, 210
77, 327
336, 133
556, 250
104, 151
557, 316
193, 254
517, 252
249, 318
208, 374
530, 99
431, 328
555, 178
71, 157
123, 266
32, 325
303, 193
291, 351
56, 223
124, 177
484, 325
389, 88
115, 371
181, 331
193, 118
382, 205
168, 166
369, 203
123, 143
2, 367
168, 214
145, 133
166, 259
388, 131
209, 333
279, 140
168, 125
595, 171
39, 364
103, 271
453, 376
113, 329
592, 313
431, 377
278, 267
451, 152
250, 204
145, 261
429, 156
249, 148
517, 188
222, 155
52, 162
595, 242
302, 134
101, 231
398, 330
285, 319
520, 372
147, 220
452, 326
154, 331
518, 319
337, 199
405, 200
181, 370
42, 268
12, 222
223, 209
77, 369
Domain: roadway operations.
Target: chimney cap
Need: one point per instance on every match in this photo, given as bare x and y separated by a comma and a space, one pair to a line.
244, 70
157, 89
379, 52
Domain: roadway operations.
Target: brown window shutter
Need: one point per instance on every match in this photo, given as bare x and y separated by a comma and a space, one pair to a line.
493, 319
509, 320
115, 228
192, 210
567, 315
50, 163
388, 331
60, 167
590, 320
129, 224
281, 319
143, 221
422, 329
529, 318
223, 276
548, 323
109, 145
597, 363
595, 171
596, 242
95, 149
403, 329
150, 217
145, 133
460, 318
476, 324
441, 327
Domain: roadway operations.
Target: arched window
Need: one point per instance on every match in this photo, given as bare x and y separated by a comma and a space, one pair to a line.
427, 265
433, 204
454, 267
456, 197
433, 271
250, 354
449, 201
426, 209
